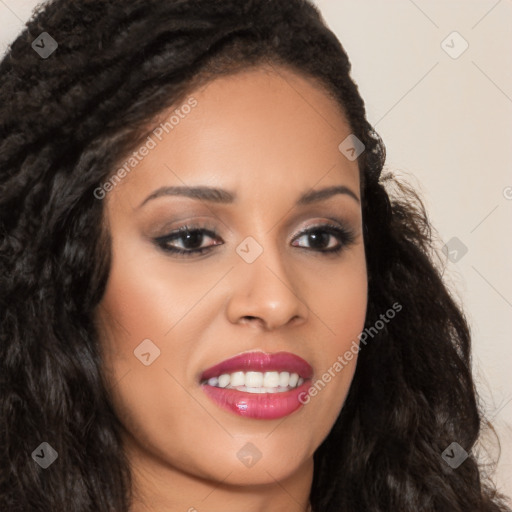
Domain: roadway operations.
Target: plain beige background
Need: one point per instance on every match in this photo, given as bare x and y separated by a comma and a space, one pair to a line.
444, 112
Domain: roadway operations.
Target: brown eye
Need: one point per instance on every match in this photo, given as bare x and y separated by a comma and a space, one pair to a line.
191, 237
318, 237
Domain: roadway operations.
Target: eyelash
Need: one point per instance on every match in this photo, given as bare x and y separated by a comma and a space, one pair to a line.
344, 235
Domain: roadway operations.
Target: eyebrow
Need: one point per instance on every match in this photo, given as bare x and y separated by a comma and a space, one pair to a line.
219, 195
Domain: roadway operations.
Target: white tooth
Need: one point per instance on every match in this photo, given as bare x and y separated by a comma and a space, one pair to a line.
271, 380
294, 377
255, 390
257, 382
284, 377
224, 380
260, 390
237, 379
253, 379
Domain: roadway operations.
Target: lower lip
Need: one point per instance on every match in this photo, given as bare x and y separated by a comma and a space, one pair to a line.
263, 406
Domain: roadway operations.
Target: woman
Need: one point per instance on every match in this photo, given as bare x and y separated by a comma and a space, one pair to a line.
210, 298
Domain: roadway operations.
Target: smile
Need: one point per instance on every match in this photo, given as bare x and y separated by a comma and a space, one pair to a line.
258, 384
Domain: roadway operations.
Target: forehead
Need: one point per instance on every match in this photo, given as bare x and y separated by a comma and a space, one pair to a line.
265, 126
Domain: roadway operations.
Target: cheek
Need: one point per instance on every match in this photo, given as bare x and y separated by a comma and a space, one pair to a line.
147, 298
343, 308
341, 313
145, 354
136, 318
341, 296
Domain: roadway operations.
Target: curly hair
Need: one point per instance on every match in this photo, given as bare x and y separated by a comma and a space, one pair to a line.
65, 122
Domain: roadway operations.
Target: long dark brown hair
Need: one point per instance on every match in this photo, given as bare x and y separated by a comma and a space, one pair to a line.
66, 119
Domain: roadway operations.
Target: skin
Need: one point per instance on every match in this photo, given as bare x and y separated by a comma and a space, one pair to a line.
268, 135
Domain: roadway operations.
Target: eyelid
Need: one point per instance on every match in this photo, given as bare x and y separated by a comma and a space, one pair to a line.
328, 222
344, 234
208, 225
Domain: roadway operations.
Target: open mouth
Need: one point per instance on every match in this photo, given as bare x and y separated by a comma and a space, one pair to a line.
258, 384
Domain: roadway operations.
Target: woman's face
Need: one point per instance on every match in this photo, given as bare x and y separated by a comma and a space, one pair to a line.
267, 140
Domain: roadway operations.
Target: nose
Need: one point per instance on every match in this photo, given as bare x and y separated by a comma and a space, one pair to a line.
265, 292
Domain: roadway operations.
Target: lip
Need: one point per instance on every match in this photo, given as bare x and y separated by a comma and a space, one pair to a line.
259, 405
261, 362
264, 406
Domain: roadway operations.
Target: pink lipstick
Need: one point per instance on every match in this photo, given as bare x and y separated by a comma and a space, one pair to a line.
258, 384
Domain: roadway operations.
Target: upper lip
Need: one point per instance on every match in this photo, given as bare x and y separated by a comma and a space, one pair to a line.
261, 362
